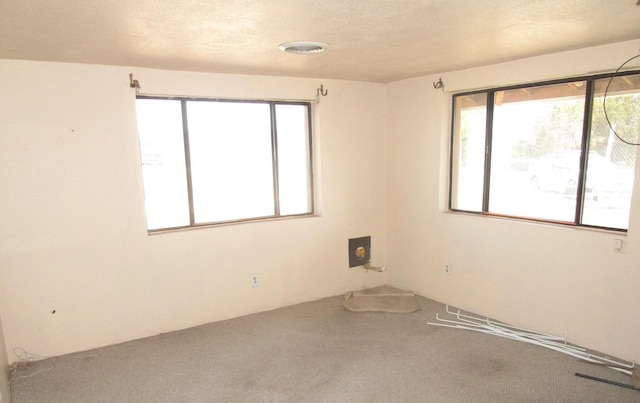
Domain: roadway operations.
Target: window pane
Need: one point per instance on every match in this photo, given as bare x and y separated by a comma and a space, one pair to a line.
231, 160
469, 135
610, 169
294, 173
163, 164
535, 153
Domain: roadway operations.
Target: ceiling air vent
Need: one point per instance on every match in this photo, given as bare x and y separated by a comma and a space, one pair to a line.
303, 47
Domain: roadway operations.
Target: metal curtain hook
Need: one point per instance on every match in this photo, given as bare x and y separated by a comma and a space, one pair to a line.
321, 92
438, 84
134, 83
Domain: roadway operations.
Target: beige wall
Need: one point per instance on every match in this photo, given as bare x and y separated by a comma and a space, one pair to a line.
73, 238
545, 277
4, 372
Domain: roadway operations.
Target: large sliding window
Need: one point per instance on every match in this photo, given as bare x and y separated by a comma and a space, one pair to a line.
546, 151
215, 161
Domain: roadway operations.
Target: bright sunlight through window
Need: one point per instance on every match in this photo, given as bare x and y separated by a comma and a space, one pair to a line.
546, 152
215, 161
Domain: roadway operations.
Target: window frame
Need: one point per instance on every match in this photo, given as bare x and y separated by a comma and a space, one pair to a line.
590, 81
311, 191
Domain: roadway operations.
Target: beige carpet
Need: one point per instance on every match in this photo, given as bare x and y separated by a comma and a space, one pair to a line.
381, 299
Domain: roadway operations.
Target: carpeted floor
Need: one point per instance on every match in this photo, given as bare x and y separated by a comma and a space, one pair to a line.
318, 352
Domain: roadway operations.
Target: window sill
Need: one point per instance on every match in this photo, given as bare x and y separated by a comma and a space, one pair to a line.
533, 221
228, 223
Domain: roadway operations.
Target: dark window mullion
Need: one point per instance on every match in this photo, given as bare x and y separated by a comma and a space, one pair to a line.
274, 157
187, 159
584, 151
487, 152
452, 148
311, 186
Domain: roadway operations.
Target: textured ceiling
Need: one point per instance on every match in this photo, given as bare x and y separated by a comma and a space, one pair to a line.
370, 40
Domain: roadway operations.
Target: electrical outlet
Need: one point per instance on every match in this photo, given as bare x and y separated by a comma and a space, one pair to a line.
255, 280
617, 245
447, 269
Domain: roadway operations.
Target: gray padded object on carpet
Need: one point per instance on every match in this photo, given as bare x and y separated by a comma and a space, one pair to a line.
381, 299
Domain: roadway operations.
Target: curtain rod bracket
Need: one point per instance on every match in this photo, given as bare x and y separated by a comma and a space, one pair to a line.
134, 83
438, 84
321, 92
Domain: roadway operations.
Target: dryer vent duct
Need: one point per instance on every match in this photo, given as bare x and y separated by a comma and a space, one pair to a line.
359, 251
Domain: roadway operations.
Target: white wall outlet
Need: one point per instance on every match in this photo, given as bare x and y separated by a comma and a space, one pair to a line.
255, 280
447, 269
617, 245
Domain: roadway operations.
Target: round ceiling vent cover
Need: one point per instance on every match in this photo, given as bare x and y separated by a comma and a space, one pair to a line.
303, 47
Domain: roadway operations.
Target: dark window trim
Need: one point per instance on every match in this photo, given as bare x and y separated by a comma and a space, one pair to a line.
592, 77
274, 153
586, 133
